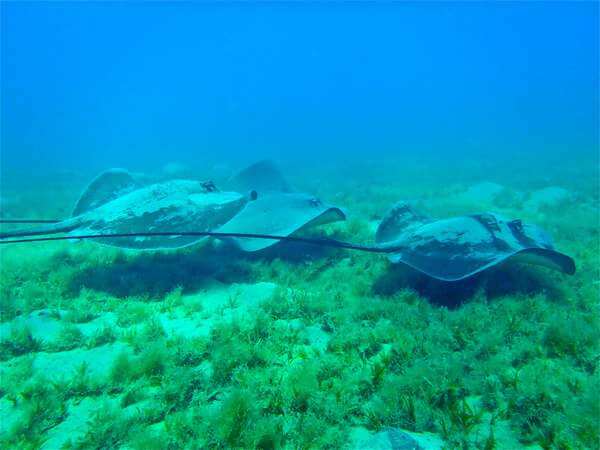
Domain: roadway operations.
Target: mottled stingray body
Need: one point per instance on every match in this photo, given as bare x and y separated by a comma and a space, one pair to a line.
457, 248
277, 210
181, 205
115, 203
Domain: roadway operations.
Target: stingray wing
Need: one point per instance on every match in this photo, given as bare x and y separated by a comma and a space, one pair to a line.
261, 177
107, 186
457, 248
279, 214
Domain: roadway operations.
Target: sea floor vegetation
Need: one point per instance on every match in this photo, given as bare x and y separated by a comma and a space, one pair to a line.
306, 348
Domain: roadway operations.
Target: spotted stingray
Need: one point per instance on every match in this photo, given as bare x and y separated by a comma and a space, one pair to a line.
459, 247
277, 210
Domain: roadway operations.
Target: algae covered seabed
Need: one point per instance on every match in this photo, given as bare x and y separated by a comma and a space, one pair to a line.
301, 347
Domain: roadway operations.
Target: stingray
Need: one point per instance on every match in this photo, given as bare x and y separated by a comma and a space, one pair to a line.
460, 247
116, 203
277, 210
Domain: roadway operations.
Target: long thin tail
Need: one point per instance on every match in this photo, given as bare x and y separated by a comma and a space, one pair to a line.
29, 221
324, 242
47, 227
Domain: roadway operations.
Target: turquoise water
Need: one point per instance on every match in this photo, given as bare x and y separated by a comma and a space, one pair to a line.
125, 84
455, 108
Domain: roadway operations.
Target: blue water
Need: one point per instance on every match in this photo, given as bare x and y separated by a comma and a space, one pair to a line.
140, 84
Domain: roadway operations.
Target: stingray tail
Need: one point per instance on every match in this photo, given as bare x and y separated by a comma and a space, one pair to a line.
63, 226
323, 242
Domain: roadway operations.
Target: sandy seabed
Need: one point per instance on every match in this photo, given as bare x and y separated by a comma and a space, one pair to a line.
302, 347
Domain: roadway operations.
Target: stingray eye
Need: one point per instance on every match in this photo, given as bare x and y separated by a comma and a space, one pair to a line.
209, 186
315, 202
253, 195
516, 225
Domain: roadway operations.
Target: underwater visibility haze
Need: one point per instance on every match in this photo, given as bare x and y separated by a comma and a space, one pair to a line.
318, 225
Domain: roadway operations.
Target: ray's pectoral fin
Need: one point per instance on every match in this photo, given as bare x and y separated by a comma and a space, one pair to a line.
547, 258
281, 214
105, 187
261, 177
